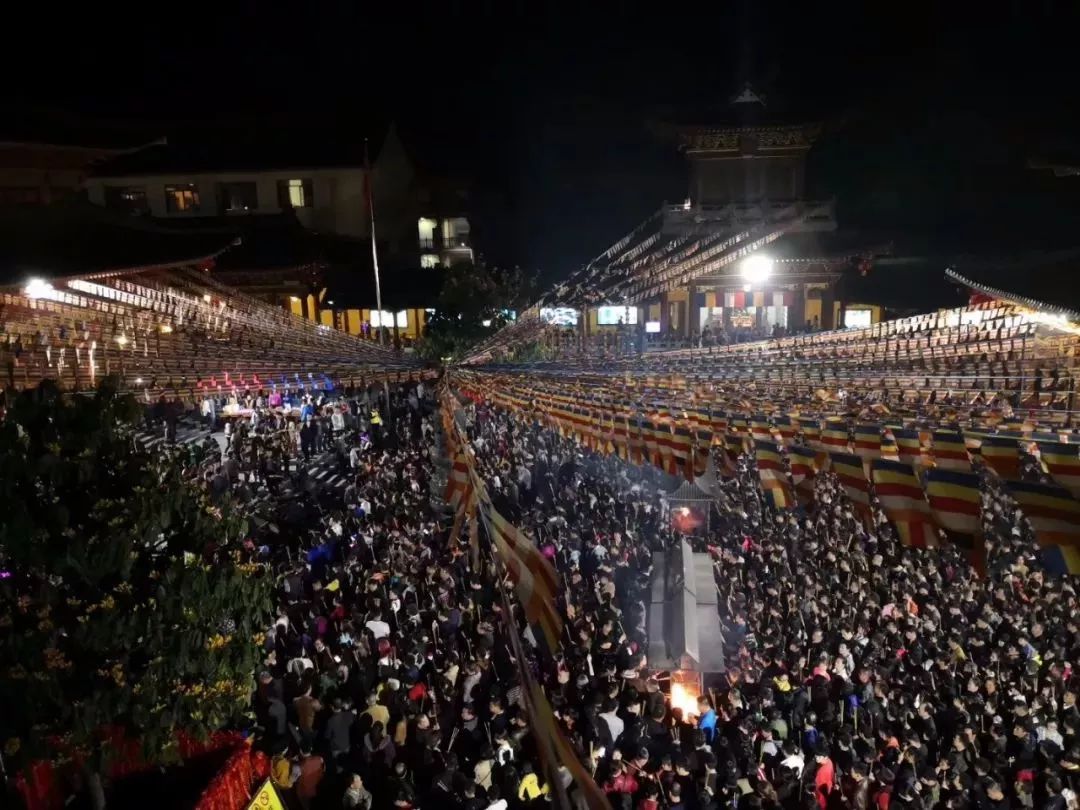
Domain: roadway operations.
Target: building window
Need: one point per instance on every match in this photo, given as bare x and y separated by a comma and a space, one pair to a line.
237, 198
425, 229
182, 198
295, 194
455, 232
20, 195
428, 260
129, 199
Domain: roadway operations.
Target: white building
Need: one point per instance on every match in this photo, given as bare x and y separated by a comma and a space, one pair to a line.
327, 193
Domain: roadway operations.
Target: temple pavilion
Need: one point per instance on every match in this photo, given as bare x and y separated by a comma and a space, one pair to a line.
746, 250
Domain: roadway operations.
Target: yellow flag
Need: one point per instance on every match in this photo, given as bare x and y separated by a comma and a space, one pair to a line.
266, 798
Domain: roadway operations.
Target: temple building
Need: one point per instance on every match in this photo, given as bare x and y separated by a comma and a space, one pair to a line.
748, 250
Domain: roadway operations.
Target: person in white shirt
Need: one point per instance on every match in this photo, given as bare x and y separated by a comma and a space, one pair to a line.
297, 666
378, 627
614, 722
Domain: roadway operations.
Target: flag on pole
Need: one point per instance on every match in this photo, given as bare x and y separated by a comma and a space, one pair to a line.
1002, 455
786, 428
804, 467
621, 436
702, 450
650, 432
835, 436
956, 505
682, 451
608, 436
558, 747
533, 576
719, 421
774, 481
955, 500
474, 528
665, 444
867, 443
729, 455
1062, 463
902, 500
811, 432
908, 445
738, 440
1055, 516
457, 485
949, 451
849, 469
760, 430
636, 440
467, 504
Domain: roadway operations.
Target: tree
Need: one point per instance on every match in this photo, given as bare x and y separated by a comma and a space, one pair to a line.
474, 303
127, 600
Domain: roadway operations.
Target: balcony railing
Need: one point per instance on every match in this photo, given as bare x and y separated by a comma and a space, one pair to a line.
427, 243
460, 240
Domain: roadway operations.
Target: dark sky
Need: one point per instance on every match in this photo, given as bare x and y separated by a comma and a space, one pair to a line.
545, 105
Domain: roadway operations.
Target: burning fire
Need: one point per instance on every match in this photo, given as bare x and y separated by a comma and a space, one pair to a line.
685, 697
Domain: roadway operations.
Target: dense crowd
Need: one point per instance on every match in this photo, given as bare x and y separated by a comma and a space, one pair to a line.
859, 672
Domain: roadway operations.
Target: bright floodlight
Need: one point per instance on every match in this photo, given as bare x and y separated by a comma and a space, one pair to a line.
757, 268
37, 288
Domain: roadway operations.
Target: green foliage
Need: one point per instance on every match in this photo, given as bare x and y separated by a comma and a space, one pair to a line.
471, 296
129, 603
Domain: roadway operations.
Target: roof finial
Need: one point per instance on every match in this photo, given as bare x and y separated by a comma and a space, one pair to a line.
748, 96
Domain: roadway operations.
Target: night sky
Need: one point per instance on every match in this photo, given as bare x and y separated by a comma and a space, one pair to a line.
547, 111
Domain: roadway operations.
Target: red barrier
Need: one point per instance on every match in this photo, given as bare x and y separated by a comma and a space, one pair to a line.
40, 785
231, 788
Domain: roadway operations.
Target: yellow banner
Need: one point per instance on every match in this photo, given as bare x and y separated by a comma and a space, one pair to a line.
266, 798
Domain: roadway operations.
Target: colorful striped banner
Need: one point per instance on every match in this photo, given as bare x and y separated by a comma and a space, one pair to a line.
1053, 512
867, 441
956, 505
835, 436
811, 432
901, 498
533, 576
849, 469
1062, 463
804, 466
786, 430
1002, 455
770, 466
908, 446
949, 451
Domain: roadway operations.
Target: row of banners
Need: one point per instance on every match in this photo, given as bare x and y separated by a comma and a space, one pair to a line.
680, 439
536, 586
923, 477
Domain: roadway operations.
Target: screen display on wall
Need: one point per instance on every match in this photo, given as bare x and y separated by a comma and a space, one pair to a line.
857, 318
612, 316
387, 318
652, 327
559, 316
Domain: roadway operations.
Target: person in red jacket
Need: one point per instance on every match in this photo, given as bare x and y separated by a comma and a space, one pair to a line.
649, 801
622, 781
824, 778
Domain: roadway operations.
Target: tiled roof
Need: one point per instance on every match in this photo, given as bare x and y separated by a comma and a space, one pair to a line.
77, 238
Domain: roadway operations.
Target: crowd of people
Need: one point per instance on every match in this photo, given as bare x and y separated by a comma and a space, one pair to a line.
860, 673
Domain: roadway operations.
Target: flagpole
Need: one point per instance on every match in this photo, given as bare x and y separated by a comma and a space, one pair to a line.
375, 267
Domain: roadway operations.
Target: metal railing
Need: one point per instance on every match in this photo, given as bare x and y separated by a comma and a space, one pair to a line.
460, 240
